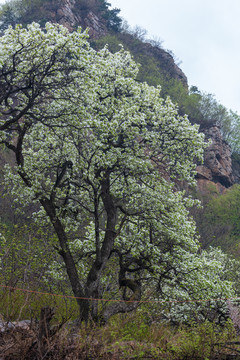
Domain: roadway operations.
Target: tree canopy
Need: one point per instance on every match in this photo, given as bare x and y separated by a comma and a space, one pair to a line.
102, 154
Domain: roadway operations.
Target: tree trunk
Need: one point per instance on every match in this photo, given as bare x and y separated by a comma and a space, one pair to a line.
128, 305
66, 254
94, 276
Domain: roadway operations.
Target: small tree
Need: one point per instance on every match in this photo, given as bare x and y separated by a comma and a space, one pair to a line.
100, 152
8, 16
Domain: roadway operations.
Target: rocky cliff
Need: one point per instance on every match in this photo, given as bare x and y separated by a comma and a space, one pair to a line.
71, 14
217, 167
67, 13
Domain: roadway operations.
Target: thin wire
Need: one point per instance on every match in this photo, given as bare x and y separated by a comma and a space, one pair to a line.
116, 300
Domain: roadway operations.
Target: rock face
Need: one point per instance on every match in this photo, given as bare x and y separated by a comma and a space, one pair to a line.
69, 14
65, 16
96, 27
217, 167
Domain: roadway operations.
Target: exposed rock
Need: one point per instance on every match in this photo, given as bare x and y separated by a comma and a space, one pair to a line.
96, 27
204, 173
217, 166
67, 13
8, 325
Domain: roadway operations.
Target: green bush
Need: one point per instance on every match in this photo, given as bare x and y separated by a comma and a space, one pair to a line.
219, 224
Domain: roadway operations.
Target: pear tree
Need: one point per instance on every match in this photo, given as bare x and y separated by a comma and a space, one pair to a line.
102, 155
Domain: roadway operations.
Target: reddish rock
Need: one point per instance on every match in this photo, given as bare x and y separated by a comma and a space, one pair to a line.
209, 188
96, 27
204, 173
69, 14
217, 166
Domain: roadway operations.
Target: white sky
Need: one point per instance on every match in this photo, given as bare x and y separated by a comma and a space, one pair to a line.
203, 34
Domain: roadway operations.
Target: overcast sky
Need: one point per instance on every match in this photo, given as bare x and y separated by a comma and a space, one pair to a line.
203, 34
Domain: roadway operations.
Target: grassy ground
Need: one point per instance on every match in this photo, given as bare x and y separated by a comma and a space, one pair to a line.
127, 336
